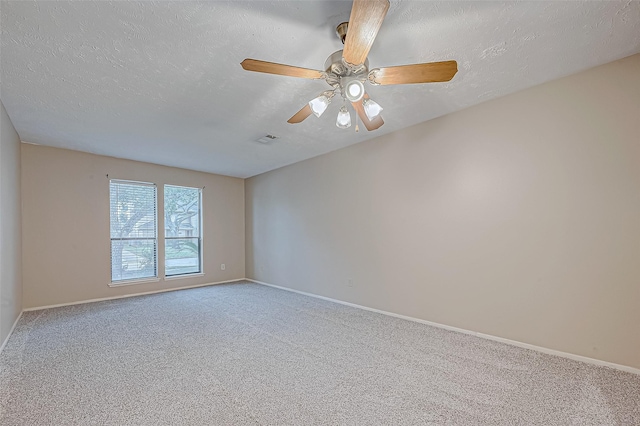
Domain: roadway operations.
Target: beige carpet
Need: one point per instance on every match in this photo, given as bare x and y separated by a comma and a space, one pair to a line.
247, 354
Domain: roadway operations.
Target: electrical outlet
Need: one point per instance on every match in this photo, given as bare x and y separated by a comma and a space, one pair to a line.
222, 266
350, 283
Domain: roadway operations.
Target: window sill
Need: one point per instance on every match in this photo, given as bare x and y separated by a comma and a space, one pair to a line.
134, 282
178, 277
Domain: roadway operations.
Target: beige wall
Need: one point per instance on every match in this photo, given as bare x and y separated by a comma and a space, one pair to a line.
66, 246
519, 218
10, 241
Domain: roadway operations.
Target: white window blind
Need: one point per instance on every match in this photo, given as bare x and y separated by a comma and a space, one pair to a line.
182, 230
134, 232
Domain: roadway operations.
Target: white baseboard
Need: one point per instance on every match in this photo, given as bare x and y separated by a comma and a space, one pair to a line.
472, 333
80, 302
13, 327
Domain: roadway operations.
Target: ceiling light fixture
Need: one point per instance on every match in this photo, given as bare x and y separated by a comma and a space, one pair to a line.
319, 104
347, 70
344, 118
371, 108
354, 90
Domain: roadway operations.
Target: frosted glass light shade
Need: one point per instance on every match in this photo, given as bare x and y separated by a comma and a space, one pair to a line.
354, 91
371, 108
344, 118
319, 105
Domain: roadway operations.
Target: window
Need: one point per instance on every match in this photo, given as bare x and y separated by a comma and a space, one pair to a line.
134, 235
182, 230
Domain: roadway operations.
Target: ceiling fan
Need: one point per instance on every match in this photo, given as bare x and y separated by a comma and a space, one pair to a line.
347, 70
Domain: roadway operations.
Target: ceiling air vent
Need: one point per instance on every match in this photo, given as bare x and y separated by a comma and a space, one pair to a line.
267, 139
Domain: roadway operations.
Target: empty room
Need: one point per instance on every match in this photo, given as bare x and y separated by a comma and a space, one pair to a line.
357, 212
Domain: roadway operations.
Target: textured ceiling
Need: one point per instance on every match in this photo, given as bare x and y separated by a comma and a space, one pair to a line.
161, 81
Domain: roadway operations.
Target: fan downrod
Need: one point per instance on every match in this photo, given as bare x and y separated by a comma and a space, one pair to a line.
341, 31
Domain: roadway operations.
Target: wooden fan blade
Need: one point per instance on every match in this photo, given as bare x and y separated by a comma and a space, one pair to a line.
301, 115
280, 69
364, 23
370, 125
432, 72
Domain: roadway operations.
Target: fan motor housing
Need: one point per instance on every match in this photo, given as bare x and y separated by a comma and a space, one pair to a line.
338, 73
335, 65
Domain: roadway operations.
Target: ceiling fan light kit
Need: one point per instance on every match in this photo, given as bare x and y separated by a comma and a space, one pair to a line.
344, 118
347, 70
353, 90
319, 105
371, 108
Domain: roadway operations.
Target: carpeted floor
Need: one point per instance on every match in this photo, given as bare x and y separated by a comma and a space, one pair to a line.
248, 354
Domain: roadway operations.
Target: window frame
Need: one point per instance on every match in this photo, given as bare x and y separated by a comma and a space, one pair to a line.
199, 237
155, 277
